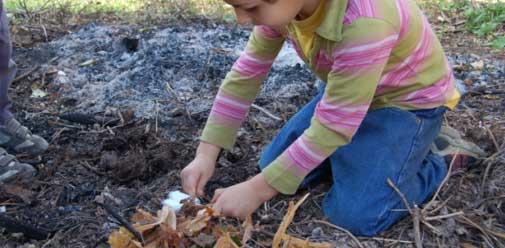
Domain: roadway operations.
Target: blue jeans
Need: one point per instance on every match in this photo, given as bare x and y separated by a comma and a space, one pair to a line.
390, 144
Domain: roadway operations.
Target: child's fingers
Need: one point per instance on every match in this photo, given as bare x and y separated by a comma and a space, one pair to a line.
201, 186
217, 193
189, 183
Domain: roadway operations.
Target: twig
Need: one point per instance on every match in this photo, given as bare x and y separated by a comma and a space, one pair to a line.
405, 202
470, 222
121, 220
26, 74
342, 230
389, 240
430, 226
86, 165
57, 134
493, 138
445, 216
179, 100
266, 112
45, 32
441, 205
428, 205
415, 213
417, 228
489, 161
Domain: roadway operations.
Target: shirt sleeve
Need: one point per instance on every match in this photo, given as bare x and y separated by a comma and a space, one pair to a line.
358, 62
241, 86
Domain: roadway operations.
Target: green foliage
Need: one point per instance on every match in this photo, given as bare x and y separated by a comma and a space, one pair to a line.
122, 8
498, 43
485, 19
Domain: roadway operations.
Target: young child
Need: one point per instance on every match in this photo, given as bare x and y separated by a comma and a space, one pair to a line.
13, 135
387, 86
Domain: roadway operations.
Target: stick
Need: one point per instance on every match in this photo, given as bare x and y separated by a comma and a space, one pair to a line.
122, 220
26, 74
493, 138
415, 213
417, 228
427, 206
445, 216
13, 226
391, 240
405, 202
86, 165
489, 162
266, 112
342, 230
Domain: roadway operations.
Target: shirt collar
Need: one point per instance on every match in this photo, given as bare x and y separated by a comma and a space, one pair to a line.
331, 27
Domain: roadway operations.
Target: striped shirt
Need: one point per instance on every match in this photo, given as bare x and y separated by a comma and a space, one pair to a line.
370, 53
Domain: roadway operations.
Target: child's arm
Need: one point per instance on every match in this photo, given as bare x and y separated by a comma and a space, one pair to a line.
359, 60
231, 105
241, 86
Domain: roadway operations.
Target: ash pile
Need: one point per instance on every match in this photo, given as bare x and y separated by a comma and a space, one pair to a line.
157, 73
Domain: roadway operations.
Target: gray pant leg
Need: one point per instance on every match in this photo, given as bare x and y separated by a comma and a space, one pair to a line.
7, 66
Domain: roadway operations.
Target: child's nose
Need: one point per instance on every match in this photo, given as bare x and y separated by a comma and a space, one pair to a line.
242, 17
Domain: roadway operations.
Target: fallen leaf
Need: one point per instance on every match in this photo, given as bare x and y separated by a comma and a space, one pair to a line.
88, 62
293, 242
37, 92
286, 221
225, 242
200, 222
142, 216
123, 239
467, 245
478, 65
248, 229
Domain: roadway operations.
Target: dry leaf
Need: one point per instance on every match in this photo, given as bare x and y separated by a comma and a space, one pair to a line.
300, 243
225, 242
289, 241
142, 216
200, 222
467, 245
88, 62
123, 239
286, 221
248, 229
478, 65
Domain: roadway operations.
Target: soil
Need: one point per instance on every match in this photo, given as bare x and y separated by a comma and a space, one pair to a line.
132, 152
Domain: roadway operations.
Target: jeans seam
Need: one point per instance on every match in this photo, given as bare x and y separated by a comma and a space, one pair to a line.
413, 144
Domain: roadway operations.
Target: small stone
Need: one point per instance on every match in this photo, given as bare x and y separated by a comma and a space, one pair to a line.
17, 235
317, 232
461, 231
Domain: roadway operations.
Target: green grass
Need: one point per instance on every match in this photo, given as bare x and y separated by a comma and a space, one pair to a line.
127, 10
485, 19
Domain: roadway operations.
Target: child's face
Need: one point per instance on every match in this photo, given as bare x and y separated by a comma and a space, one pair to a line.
273, 13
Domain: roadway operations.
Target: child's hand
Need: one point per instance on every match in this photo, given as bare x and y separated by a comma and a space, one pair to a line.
197, 173
241, 200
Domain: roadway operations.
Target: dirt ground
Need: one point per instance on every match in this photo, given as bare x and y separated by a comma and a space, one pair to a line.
130, 160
